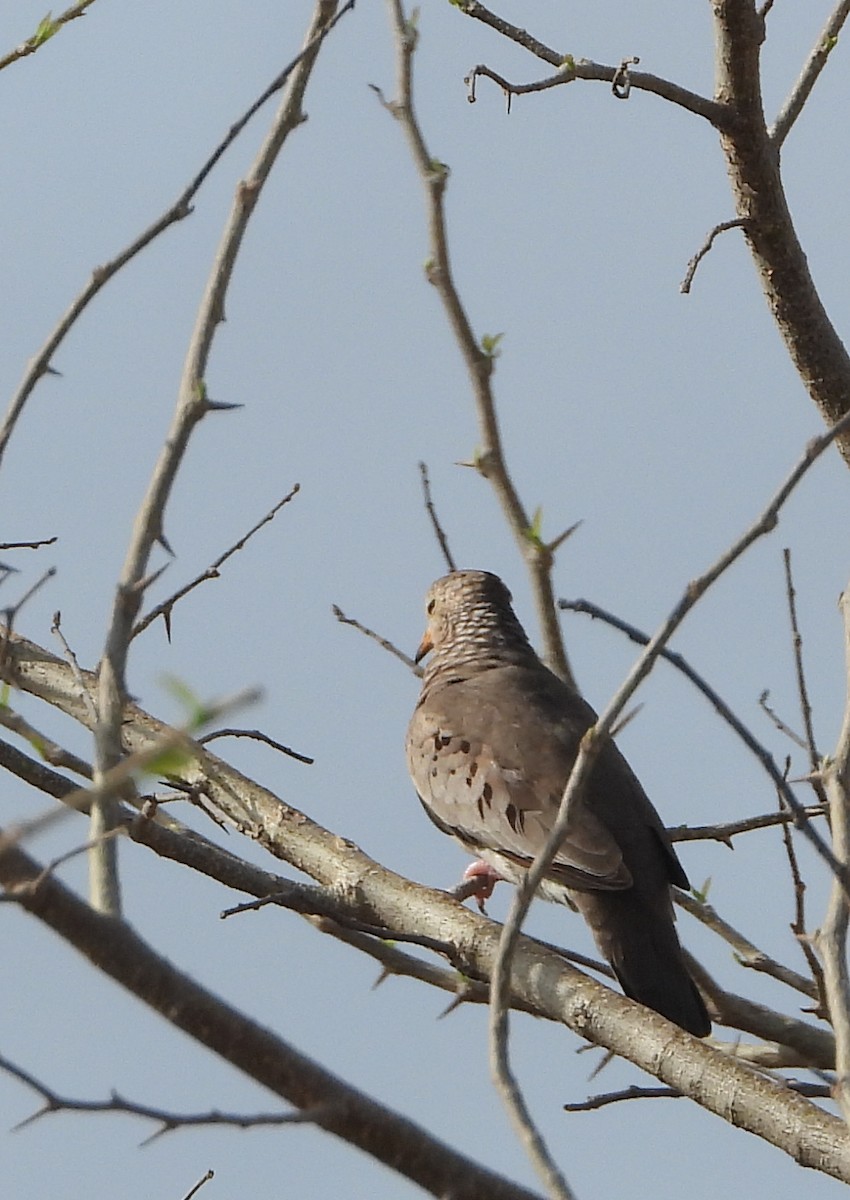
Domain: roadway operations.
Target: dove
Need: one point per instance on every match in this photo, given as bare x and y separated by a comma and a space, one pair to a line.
490, 747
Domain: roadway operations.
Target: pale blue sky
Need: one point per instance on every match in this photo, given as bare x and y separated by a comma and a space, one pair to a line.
663, 422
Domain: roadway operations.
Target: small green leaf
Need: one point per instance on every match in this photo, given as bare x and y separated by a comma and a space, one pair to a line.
701, 893
196, 712
567, 63
170, 763
44, 30
534, 533
490, 344
38, 744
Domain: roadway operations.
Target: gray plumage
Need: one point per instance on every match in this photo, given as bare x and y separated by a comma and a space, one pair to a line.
490, 747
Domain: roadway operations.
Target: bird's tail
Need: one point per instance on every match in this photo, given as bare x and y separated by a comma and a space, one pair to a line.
638, 938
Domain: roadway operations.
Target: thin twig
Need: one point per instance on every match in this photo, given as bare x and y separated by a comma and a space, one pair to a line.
258, 736
782, 726
810, 73
164, 609
435, 520
831, 938
376, 637
480, 358
802, 689
54, 1102
48, 750
70, 656
40, 364
48, 26
764, 525
28, 545
205, 1178
10, 612
747, 953
513, 89
660, 1093
798, 925
737, 223
730, 829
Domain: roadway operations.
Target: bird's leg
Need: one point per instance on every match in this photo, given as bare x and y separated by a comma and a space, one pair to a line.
479, 880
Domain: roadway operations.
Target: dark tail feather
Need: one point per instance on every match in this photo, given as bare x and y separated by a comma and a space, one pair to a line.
640, 943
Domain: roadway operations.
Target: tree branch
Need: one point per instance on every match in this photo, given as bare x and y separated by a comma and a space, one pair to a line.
539, 977
717, 113
489, 459
334, 1105
752, 157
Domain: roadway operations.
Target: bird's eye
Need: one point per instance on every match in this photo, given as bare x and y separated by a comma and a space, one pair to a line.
430, 607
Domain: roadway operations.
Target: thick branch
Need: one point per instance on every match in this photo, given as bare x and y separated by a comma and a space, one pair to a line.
752, 159
539, 977
337, 1107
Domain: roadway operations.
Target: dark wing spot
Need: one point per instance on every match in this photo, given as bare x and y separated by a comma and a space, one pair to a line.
481, 807
487, 792
473, 768
465, 747
444, 740
516, 818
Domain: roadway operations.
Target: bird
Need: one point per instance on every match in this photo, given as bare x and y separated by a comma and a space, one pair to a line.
490, 747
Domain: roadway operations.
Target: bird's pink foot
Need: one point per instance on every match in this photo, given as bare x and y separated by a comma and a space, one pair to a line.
479, 880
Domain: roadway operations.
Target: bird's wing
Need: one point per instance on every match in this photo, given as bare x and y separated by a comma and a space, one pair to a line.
496, 792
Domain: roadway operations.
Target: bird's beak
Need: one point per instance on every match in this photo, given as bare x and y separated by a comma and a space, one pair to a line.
425, 646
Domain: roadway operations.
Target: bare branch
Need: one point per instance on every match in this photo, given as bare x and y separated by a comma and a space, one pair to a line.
205, 1178
48, 26
489, 459
652, 1093
815, 347
747, 954
347, 1112
439, 532
257, 736
810, 73
192, 405
376, 637
726, 831
45, 747
540, 978
723, 227
10, 612
28, 545
764, 525
167, 1121
803, 691
831, 938
815, 1047
718, 114
592, 743
165, 609
40, 366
